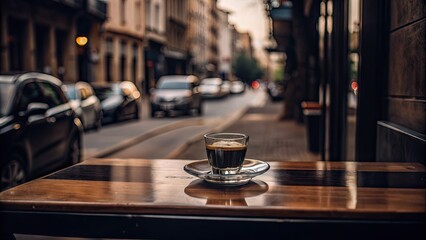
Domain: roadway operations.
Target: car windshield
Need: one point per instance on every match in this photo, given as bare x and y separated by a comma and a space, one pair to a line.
71, 92
173, 85
211, 81
6, 93
105, 92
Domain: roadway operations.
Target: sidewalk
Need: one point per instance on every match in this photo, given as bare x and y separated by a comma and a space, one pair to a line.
270, 138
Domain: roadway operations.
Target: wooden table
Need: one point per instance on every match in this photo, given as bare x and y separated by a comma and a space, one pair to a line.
140, 198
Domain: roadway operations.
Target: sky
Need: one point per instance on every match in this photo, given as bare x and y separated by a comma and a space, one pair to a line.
248, 15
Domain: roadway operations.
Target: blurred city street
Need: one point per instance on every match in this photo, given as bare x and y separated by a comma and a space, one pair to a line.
165, 137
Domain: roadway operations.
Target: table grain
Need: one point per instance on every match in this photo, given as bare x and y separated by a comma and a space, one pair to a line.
324, 190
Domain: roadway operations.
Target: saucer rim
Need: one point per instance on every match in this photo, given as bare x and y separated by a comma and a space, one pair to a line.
209, 176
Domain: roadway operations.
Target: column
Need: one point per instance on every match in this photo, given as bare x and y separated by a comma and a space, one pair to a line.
98, 54
29, 50
140, 65
4, 51
51, 51
129, 59
70, 54
115, 68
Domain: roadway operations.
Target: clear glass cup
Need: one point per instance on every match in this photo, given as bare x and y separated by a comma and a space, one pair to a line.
226, 151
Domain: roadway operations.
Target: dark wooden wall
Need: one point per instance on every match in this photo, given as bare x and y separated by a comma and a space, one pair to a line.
401, 132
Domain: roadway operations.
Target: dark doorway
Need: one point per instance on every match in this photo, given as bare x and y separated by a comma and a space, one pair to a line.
60, 37
42, 43
123, 61
15, 40
108, 59
134, 61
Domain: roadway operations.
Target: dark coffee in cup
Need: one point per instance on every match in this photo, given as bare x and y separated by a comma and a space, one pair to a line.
226, 157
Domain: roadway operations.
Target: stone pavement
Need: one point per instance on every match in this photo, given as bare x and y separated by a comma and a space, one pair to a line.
271, 139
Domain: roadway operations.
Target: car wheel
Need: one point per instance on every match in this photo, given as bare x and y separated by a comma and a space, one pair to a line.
153, 114
200, 109
136, 116
83, 123
187, 111
98, 123
74, 152
117, 116
12, 173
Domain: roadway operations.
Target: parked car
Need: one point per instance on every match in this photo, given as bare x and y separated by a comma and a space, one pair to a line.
39, 131
226, 87
85, 103
119, 101
237, 87
176, 93
275, 91
212, 88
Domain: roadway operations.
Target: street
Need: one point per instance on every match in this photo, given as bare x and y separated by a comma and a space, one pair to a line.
144, 138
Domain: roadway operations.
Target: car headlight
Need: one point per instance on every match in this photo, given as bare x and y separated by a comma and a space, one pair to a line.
184, 100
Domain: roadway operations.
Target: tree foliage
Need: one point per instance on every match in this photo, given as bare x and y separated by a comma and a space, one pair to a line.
246, 68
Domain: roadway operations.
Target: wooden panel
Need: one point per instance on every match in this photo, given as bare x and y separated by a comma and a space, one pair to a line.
404, 12
407, 65
338, 190
398, 144
408, 113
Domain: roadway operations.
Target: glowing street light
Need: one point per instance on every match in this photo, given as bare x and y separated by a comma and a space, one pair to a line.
81, 40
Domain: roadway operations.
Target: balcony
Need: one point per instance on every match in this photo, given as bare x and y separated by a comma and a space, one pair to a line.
71, 3
97, 8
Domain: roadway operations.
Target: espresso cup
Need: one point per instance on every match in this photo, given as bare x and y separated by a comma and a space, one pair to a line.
226, 151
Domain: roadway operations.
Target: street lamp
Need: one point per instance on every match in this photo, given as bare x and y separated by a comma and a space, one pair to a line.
81, 40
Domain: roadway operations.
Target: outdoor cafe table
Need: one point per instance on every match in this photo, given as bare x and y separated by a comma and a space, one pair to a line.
137, 198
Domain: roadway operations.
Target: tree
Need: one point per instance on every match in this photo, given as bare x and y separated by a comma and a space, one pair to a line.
246, 68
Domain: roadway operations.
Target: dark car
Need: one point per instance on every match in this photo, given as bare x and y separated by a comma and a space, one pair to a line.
177, 93
85, 103
39, 131
275, 91
119, 100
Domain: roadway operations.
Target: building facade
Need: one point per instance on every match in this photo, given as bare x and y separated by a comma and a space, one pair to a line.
155, 40
176, 36
225, 45
245, 43
41, 36
197, 37
212, 38
123, 42
366, 59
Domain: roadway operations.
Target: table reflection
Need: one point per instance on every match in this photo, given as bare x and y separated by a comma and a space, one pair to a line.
226, 196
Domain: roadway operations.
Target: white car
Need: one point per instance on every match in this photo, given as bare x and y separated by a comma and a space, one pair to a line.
211, 88
226, 87
85, 103
237, 87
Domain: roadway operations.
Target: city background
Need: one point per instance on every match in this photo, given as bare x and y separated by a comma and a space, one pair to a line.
129, 40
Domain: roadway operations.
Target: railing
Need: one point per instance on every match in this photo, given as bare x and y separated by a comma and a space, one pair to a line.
97, 8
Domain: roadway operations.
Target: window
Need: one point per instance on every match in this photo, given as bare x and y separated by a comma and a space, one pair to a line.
109, 46
52, 97
157, 17
148, 13
30, 94
123, 12
138, 15
83, 93
6, 97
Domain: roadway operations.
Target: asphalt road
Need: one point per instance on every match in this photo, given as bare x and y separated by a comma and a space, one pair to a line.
166, 137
